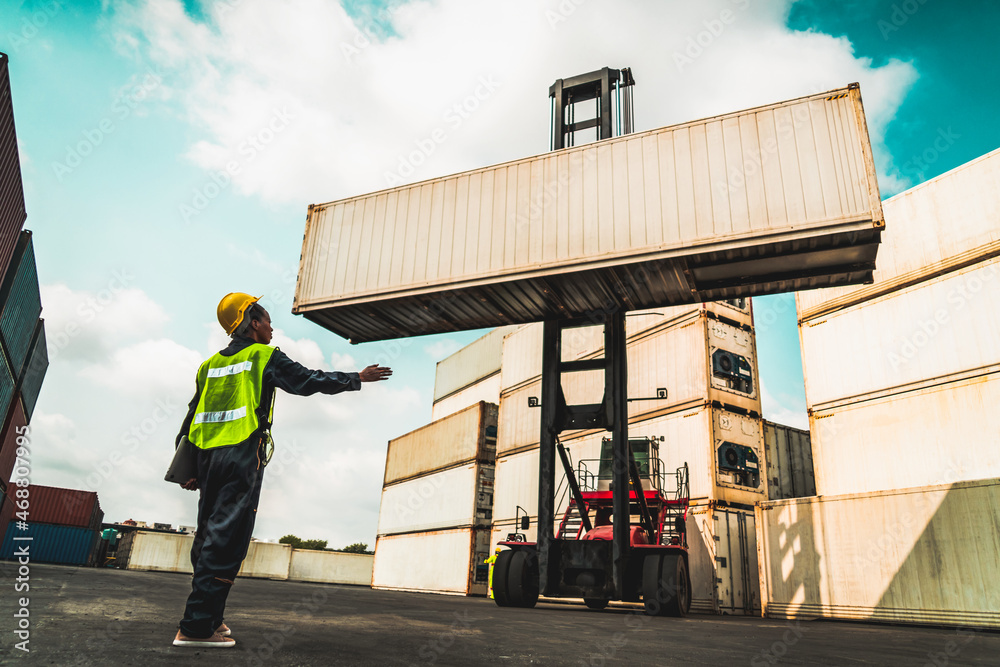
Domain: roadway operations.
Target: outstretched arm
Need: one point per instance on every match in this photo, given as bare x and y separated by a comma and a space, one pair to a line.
296, 379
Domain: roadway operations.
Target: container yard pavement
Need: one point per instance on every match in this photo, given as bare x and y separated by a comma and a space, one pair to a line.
84, 616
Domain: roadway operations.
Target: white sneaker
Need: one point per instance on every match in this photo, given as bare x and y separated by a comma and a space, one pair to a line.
215, 641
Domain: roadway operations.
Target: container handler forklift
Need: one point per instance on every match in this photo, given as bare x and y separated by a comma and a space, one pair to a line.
618, 558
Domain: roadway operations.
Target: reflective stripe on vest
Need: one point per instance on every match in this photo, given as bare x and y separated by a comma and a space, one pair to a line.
230, 391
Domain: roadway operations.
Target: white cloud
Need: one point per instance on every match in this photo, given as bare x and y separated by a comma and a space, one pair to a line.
160, 368
783, 409
440, 349
309, 112
87, 324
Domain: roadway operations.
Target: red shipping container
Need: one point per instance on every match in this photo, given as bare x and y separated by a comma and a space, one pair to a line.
12, 213
63, 507
6, 514
8, 444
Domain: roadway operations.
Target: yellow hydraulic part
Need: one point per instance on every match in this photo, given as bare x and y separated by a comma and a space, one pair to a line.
492, 559
231, 309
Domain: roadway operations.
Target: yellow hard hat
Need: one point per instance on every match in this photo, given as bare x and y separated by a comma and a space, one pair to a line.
231, 309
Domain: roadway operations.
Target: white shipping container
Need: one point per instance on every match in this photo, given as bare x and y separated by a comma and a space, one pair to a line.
727, 206
468, 435
474, 362
693, 436
789, 457
939, 434
486, 390
680, 359
444, 561
447, 499
932, 330
722, 559
934, 227
522, 349
920, 555
330, 567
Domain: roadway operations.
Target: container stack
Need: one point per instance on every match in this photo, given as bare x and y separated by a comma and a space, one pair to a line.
902, 382
790, 471
693, 382
64, 524
437, 502
23, 352
470, 375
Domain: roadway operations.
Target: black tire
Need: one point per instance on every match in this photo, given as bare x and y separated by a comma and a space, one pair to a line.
522, 580
675, 586
595, 603
651, 585
501, 572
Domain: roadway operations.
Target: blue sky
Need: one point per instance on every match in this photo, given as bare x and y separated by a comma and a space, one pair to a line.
128, 112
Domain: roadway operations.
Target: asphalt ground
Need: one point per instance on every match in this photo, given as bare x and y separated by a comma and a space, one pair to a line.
86, 616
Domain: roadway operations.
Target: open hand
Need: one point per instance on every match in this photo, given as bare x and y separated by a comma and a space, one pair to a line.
191, 484
375, 373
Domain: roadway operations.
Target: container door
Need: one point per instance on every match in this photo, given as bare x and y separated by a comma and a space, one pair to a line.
736, 562
479, 571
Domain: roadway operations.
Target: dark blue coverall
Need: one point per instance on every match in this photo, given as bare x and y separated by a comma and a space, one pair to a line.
229, 479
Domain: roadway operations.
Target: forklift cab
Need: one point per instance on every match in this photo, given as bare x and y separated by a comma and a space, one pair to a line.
647, 457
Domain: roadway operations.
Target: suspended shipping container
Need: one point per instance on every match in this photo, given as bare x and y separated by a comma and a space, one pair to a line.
936, 329
46, 543
476, 361
21, 304
789, 457
442, 561
773, 199
12, 212
64, 507
469, 435
934, 434
938, 226
920, 555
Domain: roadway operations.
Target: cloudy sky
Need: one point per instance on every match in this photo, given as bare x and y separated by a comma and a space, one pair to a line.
170, 149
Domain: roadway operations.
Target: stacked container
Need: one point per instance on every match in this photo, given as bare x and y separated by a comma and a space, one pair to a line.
64, 525
902, 383
437, 502
23, 352
692, 382
788, 452
470, 375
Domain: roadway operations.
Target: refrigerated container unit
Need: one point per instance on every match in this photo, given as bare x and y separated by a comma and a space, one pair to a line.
12, 211
679, 362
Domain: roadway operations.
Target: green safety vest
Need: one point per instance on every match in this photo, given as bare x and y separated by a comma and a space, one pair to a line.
230, 390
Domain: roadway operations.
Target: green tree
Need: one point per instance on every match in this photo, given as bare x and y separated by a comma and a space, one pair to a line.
356, 548
318, 545
293, 540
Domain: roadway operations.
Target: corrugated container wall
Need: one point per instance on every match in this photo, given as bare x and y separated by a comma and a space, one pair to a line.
665, 217
12, 212
924, 555
789, 457
7, 385
933, 330
8, 446
486, 390
469, 435
444, 561
21, 303
474, 362
65, 507
938, 226
66, 545
34, 372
